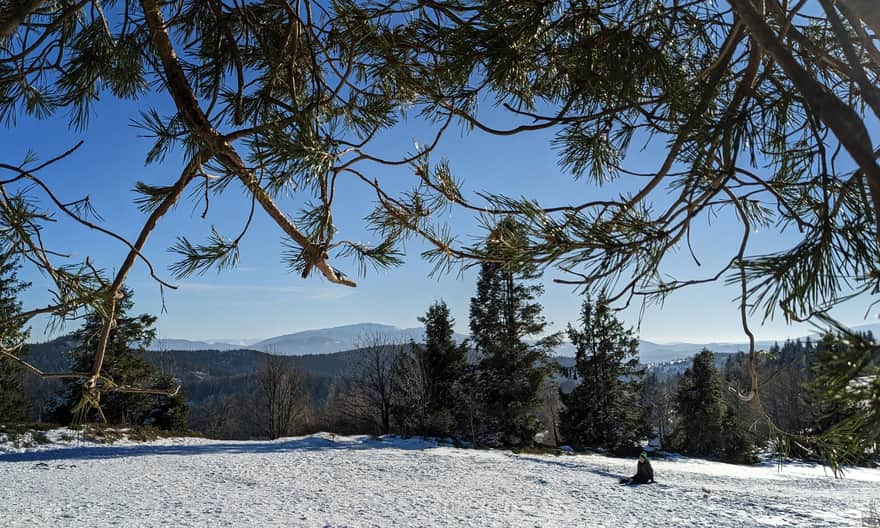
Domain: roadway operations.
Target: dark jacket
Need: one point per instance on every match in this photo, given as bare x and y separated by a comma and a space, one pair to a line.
644, 473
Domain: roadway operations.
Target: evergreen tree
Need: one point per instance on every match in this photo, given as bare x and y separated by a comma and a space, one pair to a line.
124, 365
170, 413
472, 395
738, 445
13, 401
443, 362
502, 314
700, 406
603, 409
784, 371
843, 389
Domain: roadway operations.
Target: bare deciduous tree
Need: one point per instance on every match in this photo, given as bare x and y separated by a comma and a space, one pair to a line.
658, 403
213, 416
551, 408
282, 395
373, 383
412, 397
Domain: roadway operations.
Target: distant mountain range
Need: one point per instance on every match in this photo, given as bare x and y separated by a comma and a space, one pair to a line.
210, 370
350, 337
309, 342
650, 352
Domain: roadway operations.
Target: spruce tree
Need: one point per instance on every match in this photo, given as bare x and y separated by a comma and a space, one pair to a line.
503, 313
170, 413
125, 366
844, 386
700, 405
444, 362
603, 409
14, 403
737, 443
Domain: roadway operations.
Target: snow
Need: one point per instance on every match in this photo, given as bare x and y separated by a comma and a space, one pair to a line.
333, 482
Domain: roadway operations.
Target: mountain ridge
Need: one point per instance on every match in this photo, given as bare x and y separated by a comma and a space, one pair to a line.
296, 345
352, 336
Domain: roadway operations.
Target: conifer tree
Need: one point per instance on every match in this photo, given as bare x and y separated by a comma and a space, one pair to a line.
737, 443
603, 410
170, 413
700, 406
844, 388
444, 362
13, 401
124, 367
503, 313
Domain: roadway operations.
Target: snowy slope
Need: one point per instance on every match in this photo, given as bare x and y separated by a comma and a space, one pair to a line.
329, 481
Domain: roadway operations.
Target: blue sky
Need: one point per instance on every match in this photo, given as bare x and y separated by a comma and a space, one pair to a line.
261, 299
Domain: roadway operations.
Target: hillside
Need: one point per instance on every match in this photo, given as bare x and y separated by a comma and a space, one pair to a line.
349, 337
217, 373
335, 481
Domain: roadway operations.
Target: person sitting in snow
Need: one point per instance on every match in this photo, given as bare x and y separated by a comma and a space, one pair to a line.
644, 472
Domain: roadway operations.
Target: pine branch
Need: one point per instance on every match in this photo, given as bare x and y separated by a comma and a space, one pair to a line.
198, 123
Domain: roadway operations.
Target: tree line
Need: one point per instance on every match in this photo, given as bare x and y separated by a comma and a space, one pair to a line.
501, 387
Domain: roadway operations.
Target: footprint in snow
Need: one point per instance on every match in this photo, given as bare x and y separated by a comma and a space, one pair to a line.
45, 466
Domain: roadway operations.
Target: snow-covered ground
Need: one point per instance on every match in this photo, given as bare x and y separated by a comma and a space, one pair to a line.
330, 481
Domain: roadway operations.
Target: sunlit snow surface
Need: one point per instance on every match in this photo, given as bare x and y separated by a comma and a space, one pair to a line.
329, 481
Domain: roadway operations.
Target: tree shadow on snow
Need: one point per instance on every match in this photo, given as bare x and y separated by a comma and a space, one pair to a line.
307, 444
587, 468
